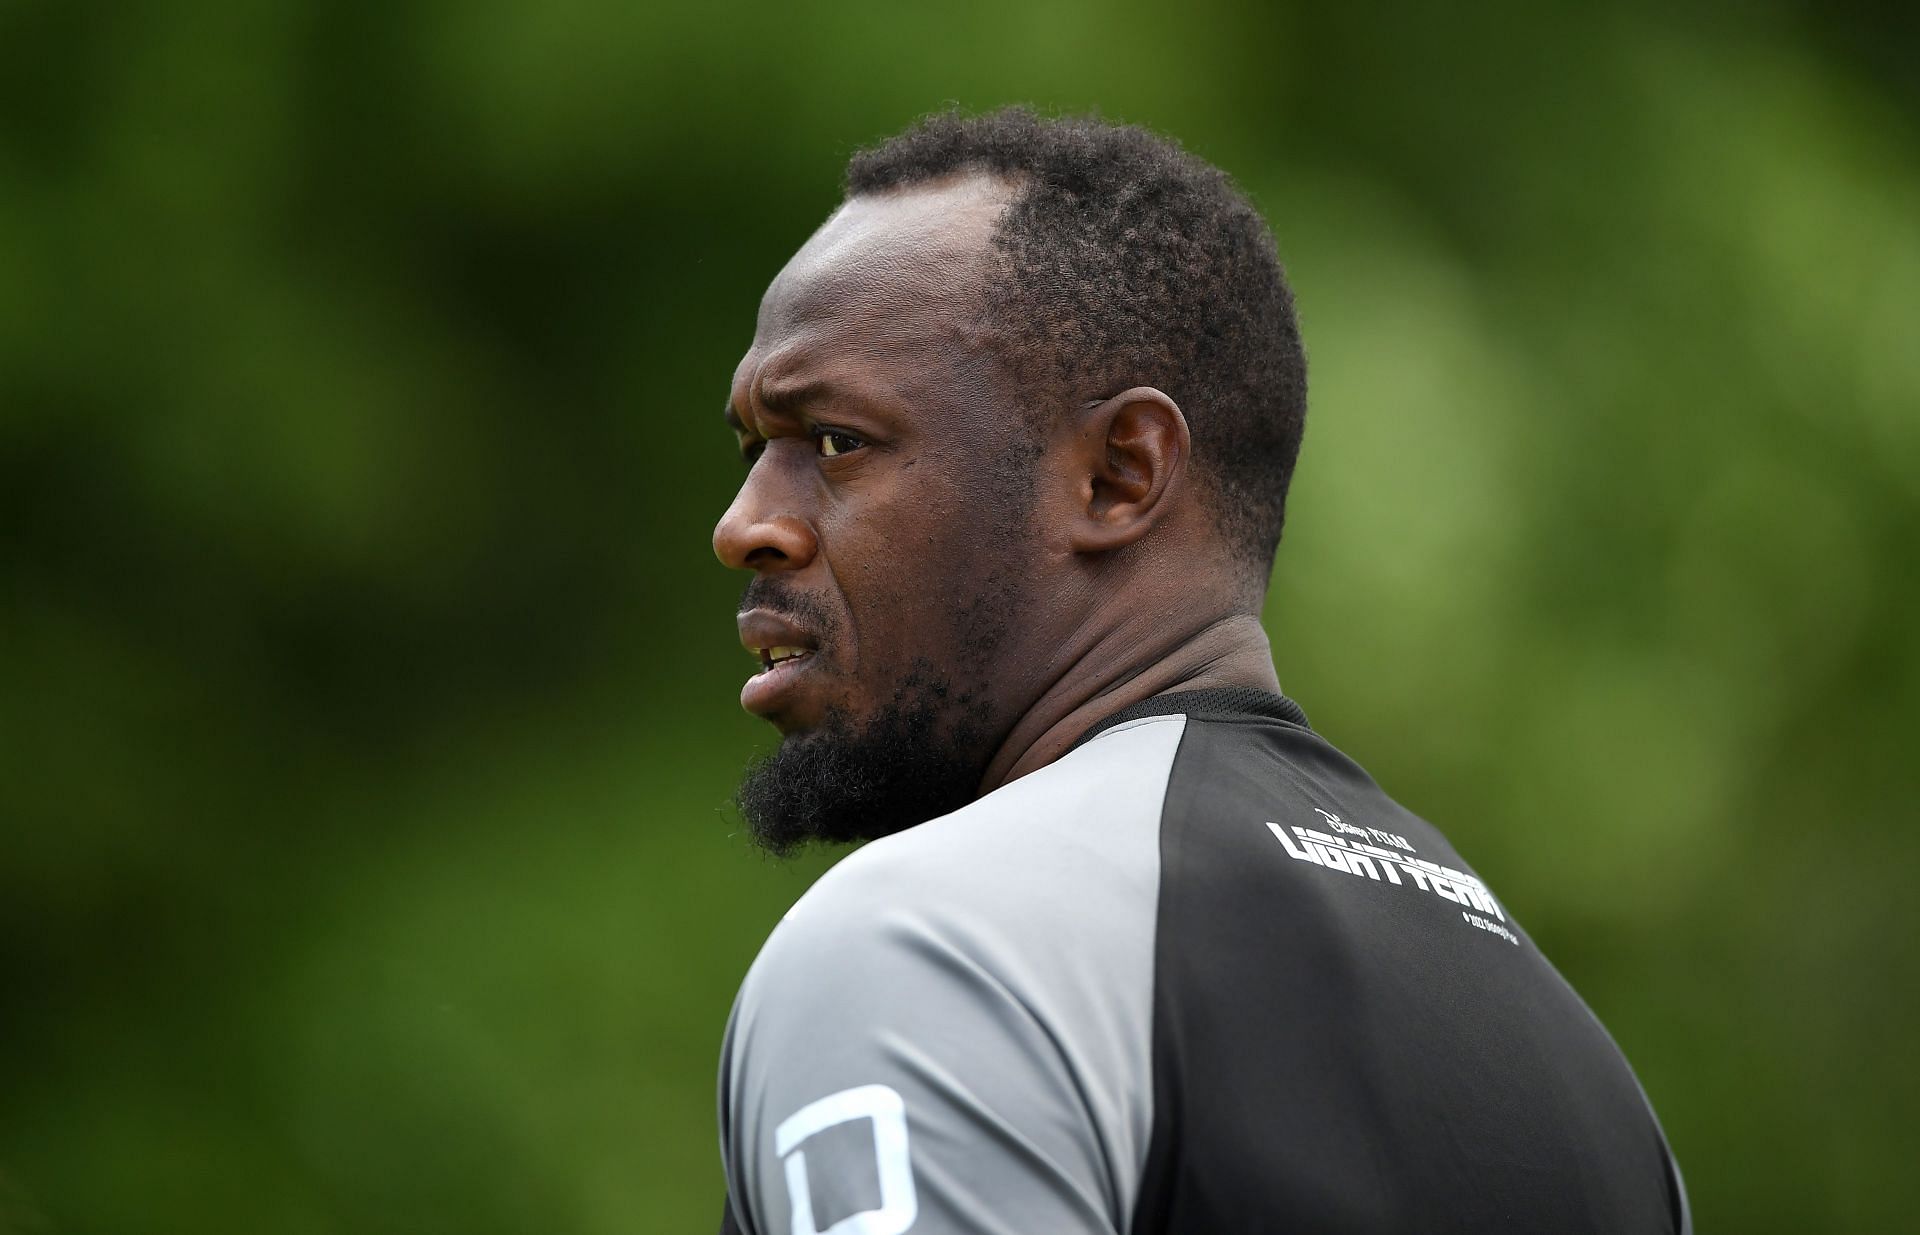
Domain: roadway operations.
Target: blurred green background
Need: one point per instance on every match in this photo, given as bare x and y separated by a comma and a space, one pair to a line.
367, 685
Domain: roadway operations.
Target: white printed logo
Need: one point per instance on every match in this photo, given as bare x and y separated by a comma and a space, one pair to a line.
898, 1205
1371, 857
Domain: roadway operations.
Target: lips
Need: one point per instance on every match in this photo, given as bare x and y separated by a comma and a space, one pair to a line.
785, 650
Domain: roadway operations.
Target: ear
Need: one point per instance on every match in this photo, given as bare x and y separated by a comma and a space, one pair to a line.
1131, 453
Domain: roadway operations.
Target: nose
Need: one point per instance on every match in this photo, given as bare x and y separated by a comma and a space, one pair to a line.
755, 534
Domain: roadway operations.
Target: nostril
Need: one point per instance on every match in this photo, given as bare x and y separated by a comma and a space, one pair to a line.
738, 538
745, 540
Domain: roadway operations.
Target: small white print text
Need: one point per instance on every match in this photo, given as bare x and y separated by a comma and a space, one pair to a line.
1343, 828
1495, 927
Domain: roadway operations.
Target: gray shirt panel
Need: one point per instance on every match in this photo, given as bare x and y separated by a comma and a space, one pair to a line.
951, 1032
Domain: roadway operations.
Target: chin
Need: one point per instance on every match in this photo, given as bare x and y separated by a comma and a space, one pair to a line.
853, 777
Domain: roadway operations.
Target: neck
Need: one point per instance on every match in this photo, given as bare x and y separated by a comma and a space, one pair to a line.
1118, 669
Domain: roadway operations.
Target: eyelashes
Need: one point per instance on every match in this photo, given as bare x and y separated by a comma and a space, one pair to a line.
828, 444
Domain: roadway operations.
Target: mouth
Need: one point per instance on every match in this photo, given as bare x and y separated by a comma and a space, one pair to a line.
769, 657
770, 692
784, 651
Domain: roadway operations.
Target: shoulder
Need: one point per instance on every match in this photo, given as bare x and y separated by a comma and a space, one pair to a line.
1057, 852
992, 970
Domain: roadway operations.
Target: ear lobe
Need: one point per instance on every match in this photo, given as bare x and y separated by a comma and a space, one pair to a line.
1133, 452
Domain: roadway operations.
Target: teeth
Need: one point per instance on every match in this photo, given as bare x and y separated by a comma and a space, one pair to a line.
769, 657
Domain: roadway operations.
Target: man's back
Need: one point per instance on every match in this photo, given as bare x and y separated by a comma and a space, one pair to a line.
1199, 975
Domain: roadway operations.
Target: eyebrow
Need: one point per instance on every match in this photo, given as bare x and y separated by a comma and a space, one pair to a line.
787, 398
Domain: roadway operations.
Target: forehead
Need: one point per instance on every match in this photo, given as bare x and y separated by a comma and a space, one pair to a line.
885, 294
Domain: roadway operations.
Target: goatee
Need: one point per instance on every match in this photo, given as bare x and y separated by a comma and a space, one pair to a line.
921, 757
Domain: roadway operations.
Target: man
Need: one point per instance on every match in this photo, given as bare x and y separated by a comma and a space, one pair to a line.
1133, 949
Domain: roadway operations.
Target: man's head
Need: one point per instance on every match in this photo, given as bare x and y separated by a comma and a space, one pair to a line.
970, 398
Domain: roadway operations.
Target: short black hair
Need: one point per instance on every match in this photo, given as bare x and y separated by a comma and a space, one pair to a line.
1126, 261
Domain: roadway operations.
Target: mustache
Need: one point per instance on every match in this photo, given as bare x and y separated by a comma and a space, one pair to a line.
780, 596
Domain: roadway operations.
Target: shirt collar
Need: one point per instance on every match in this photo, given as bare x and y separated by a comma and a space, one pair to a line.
1221, 702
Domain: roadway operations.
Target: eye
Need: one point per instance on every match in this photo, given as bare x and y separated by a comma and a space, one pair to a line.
751, 451
833, 442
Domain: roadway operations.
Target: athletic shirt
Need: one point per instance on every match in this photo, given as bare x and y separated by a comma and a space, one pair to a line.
1200, 976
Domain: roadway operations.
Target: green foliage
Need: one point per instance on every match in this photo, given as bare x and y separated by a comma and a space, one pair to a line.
366, 682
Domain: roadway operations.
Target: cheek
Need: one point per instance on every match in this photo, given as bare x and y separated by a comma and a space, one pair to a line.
951, 603
903, 570
930, 561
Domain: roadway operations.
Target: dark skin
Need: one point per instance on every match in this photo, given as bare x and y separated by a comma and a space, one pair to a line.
876, 423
